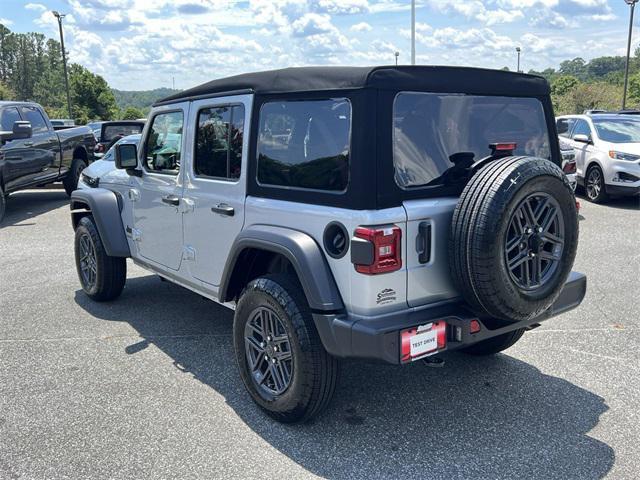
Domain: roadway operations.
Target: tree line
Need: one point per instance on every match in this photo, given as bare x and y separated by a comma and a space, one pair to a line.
31, 69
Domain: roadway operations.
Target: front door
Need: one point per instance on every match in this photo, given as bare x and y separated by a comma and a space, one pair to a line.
157, 195
215, 185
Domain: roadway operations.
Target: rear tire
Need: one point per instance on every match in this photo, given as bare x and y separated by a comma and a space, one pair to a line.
281, 359
496, 344
102, 277
514, 239
594, 186
70, 182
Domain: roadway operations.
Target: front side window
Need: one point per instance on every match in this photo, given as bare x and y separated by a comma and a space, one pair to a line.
430, 129
33, 116
582, 128
305, 144
8, 117
622, 130
164, 143
219, 142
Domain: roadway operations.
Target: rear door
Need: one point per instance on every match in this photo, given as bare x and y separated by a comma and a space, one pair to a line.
157, 196
434, 136
215, 186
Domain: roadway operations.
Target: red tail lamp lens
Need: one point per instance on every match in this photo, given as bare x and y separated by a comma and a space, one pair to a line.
387, 250
474, 326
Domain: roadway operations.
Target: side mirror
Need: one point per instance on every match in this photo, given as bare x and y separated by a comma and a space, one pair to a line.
582, 138
126, 156
20, 130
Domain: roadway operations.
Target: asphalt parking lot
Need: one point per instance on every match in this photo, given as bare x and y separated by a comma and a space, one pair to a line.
146, 387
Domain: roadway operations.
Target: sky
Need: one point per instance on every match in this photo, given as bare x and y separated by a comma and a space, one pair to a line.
145, 44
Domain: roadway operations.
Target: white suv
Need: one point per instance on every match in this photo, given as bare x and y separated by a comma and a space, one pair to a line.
607, 148
344, 212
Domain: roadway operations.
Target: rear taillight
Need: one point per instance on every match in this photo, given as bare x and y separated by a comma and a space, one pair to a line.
503, 148
569, 167
387, 251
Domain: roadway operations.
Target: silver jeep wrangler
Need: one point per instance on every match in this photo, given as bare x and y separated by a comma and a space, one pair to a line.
382, 213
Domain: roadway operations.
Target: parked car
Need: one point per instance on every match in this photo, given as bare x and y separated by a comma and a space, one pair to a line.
568, 162
96, 128
111, 132
345, 212
32, 153
607, 150
105, 167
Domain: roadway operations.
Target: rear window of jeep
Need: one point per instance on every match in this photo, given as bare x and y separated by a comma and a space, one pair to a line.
305, 144
429, 128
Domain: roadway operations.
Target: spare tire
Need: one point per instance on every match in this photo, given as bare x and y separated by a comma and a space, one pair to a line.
514, 236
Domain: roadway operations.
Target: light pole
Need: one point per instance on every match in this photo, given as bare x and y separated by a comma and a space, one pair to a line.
60, 16
518, 49
632, 4
397, 54
413, 32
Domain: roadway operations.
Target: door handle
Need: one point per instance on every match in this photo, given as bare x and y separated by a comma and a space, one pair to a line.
224, 209
28, 144
424, 242
171, 200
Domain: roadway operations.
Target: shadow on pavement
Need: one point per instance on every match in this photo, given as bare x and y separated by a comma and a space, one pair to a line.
475, 418
28, 204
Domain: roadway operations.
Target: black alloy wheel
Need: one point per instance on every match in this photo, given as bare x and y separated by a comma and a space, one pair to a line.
534, 241
268, 351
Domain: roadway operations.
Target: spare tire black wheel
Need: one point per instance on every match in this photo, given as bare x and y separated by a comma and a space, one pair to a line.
514, 238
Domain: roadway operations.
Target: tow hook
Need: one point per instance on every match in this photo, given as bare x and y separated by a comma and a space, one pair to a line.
433, 362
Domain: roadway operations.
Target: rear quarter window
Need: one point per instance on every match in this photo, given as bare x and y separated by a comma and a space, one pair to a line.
428, 129
305, 144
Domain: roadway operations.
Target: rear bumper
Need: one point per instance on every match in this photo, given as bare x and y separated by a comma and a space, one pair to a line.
378, 337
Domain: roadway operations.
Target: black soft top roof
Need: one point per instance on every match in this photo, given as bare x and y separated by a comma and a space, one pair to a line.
418, 78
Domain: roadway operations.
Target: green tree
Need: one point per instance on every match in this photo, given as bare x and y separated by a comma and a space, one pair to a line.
575, 68
588, 96
132, 113
91, 97
5, 92
633, 93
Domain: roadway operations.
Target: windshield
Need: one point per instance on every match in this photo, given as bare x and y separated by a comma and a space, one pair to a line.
618, 130
431, 128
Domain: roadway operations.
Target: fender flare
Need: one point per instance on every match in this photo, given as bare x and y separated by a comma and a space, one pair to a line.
305, 256
105, 207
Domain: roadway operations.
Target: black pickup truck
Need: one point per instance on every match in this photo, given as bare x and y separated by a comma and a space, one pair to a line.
32, 153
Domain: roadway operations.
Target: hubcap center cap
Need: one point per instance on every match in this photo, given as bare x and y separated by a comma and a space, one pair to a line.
536, 243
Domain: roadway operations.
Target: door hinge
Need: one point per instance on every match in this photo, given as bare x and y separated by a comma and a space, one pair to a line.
187, 205
188, 253
133, 233
134, 195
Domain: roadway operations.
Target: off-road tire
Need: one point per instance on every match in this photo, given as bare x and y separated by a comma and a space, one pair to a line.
479, 230
111, 272
314, 373
70, 182
602, 196
3, 204
495, 345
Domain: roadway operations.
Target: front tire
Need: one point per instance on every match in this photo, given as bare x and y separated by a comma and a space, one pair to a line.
495, 345
102, 277
594, 185
281, 359
70, 182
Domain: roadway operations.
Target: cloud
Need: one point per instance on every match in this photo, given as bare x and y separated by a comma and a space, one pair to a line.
312, 24
361, 27
36, 7
5, 21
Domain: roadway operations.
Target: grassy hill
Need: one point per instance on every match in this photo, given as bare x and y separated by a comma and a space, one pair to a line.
142, 99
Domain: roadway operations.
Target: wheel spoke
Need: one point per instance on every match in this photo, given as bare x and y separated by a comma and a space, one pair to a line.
536, 269
513, 243
526, 272
549, 256
548, 219
540, 209
528, 211
551, 238
518, 260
